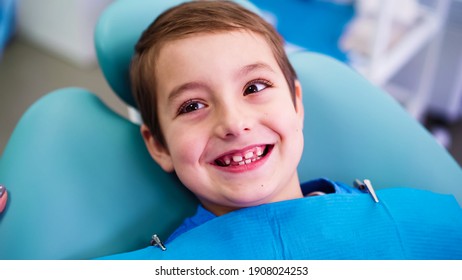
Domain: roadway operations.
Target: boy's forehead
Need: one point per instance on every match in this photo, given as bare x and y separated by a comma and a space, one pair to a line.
211, 59
219, 49
190, 40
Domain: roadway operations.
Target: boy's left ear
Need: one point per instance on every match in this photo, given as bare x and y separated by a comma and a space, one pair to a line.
299, 102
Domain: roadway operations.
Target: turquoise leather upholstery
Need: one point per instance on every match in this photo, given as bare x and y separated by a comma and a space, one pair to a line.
355, 130
82, 185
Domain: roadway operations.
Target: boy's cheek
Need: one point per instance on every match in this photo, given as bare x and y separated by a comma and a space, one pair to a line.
187, 151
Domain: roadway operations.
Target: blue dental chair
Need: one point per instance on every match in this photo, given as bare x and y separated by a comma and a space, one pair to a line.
82, 185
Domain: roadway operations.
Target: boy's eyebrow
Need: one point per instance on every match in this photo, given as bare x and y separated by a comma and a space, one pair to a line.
184, 87
199, 85
253, 67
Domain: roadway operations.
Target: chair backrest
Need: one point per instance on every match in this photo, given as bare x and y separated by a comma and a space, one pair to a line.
83, 185
355, 130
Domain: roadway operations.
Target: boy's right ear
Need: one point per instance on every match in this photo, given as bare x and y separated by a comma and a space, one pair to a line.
157, 151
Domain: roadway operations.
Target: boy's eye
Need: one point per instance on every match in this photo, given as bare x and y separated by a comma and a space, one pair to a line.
190, 106
256, 86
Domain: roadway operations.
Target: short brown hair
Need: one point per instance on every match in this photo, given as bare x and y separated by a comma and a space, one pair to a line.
188, 19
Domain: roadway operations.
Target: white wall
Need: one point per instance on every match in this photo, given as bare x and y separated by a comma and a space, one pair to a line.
62, 27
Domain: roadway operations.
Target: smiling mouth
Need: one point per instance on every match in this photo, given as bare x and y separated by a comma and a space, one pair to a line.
242, 158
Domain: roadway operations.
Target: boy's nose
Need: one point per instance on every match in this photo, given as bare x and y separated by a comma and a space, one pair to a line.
232, 122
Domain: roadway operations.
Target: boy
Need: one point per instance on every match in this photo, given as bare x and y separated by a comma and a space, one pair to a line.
226, 109
221, 105
222, 108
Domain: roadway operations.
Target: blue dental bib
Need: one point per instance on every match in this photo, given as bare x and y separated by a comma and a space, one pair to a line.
404, 224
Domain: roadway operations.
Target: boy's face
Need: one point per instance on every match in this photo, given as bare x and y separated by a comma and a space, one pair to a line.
233, 134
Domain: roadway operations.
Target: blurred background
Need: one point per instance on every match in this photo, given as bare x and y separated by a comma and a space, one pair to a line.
410, 48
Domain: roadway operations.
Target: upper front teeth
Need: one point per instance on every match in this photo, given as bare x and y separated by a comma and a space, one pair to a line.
248, 155
237, 158
245, 158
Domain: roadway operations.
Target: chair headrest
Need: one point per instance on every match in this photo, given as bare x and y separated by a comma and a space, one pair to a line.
117, 31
